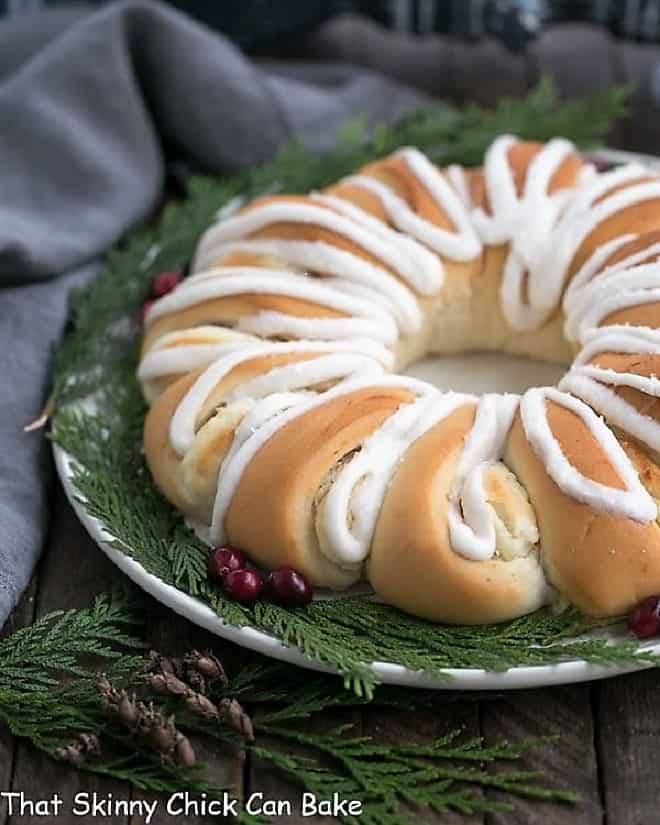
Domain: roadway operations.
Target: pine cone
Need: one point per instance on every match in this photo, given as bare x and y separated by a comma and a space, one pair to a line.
166, 683
157, 730
71, 754
109, 694
236, 717
196, 681
162, 664
207, 665
86, 744
202, 706
90, 744
183, 751
128, 710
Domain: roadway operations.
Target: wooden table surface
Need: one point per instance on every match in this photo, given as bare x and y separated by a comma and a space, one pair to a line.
609, 729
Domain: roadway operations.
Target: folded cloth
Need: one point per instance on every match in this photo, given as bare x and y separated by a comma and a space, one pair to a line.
31, 318
87, 101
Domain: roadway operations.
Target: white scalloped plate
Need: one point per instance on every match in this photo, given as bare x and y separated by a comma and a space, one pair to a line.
475, 373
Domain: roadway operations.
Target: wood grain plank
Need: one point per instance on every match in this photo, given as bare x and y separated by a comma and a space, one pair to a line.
73, 571
396, 726
569, 764
21, 616
627, 728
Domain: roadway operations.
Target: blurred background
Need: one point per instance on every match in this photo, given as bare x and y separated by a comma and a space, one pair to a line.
458, 50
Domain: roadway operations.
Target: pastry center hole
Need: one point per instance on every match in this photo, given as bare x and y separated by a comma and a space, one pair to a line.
480, 372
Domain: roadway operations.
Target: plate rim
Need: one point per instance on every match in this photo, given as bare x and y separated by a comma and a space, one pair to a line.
196, 611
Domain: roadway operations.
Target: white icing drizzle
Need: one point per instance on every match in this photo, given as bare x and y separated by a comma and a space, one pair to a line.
470, 518
594, 384
593, 282
188, 349
460, 243
583, 280
271, 324
632, 502
613, 291
546, 231
354, 501
173, 360
184, 421
300, 375
386, 248
456, 176
526, 222
592, 204
322, 257
225, 281
268, 416
428, 269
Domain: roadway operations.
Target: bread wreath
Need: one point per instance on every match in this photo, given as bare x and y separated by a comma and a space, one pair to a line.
278, 424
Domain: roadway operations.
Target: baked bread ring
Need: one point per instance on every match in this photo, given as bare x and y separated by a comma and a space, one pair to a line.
277, 423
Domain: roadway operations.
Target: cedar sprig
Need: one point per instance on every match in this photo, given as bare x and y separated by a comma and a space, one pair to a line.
35, 657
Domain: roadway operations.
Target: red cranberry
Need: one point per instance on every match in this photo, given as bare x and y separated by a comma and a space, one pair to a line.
244, 585
644, 621
165, 282
287, 586
144, 309
224, 560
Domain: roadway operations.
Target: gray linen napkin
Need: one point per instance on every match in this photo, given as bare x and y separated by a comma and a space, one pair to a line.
87, 101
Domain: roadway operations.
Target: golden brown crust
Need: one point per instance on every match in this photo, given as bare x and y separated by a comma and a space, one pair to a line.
395, 173
643, 364
487, 327
641, 315
647, 467
162, 460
